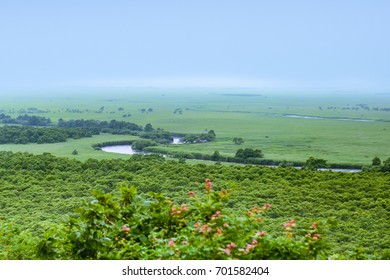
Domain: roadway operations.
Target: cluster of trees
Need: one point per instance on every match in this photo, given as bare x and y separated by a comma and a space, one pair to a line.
238, 140
144, 110
377, 165
96, 127
313, 163
158, 135
200, 138
38, 191
249, 153
25, 120
40, 135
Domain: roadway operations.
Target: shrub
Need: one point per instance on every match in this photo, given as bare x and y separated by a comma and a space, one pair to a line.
152, 227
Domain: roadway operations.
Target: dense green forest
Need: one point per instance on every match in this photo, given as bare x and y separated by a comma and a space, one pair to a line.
41, 192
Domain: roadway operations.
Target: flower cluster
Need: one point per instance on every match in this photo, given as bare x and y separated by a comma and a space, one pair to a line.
315, 236
289, 225
209, 185
125, 228
216, 215
183, 208
229, 248
205, 228
261, 233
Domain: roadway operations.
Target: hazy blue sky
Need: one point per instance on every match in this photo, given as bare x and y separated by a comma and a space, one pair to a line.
272, 43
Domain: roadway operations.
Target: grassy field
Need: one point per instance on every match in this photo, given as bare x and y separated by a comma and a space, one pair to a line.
259, 117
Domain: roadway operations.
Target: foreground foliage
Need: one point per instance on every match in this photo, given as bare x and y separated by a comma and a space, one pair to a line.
153, 227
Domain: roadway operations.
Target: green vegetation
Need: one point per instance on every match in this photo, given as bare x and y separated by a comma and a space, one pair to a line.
41, 135
249, 153
25, 120
40, 191
238, 140
315, 163
153, 227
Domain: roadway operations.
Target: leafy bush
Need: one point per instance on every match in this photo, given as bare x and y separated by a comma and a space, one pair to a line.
315, 163
152, 227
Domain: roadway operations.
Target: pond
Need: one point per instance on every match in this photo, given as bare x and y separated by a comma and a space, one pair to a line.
128, 150
121, 149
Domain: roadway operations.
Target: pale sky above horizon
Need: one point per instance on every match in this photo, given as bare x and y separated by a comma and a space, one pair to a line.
245, 43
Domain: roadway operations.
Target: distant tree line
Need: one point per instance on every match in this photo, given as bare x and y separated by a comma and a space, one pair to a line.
96, 127
40, 135
25, 120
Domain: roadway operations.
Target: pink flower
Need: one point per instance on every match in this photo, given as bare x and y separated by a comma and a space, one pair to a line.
218, 231
205, 228
314, 225
261, 233
184, 242
191, 194
216, 215
254, 242
197, 224
229, 248
316, 236
289, 224
171, 243
184, 207
226, 225
266, 206
125, 228
249, 247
